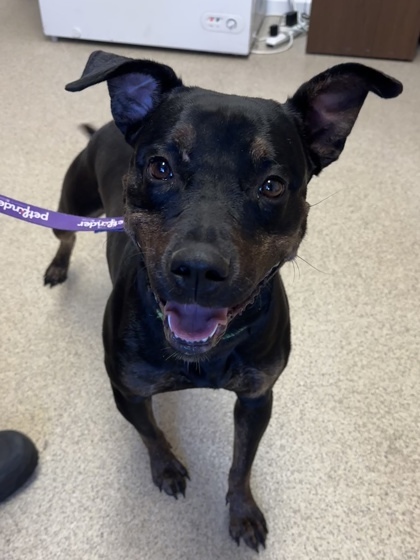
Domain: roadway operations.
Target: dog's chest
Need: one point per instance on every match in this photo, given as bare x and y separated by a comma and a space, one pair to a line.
202, 376
143, 380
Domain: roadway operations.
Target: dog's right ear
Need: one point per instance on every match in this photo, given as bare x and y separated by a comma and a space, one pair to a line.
136, 87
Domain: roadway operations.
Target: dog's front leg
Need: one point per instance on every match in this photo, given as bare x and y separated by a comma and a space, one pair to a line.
246, 519
168, 473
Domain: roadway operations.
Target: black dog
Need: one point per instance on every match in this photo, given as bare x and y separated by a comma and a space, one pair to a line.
212, 188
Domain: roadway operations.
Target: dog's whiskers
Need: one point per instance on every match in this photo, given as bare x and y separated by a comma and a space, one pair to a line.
311, 265
295, 266
326, 198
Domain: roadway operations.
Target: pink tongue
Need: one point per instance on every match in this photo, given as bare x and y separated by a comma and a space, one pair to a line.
194, 323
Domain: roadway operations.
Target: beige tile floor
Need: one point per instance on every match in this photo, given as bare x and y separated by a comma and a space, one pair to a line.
337, 474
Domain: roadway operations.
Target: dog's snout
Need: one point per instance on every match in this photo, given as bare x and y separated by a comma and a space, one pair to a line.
199, 269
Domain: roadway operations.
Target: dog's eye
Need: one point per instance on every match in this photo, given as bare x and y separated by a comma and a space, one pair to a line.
273, 187
160, 169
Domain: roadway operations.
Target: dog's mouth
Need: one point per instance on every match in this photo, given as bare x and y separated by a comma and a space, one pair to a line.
193, 329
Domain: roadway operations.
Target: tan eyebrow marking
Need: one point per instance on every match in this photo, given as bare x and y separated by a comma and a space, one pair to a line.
260, 149
184, 137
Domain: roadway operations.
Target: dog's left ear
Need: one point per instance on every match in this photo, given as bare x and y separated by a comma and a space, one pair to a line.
327, 107
136, 87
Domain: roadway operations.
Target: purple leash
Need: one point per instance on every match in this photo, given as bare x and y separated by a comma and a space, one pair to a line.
47, 218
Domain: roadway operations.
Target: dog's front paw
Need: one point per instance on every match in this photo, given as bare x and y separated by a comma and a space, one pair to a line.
247, 521
169, 474
55, 274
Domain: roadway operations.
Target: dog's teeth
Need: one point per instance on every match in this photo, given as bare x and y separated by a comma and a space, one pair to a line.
206, 339
210, 335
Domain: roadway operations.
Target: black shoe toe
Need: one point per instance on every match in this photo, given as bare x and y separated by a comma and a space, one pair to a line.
18, 459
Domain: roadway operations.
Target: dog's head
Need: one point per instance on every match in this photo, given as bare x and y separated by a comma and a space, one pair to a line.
216, 191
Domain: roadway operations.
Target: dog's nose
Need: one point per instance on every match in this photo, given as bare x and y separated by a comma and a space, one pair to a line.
199, 269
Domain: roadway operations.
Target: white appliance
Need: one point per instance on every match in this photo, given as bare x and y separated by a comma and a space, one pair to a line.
219, 26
